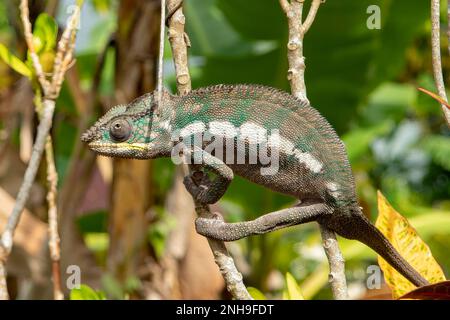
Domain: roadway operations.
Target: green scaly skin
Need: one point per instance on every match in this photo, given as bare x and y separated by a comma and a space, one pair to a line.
313, 164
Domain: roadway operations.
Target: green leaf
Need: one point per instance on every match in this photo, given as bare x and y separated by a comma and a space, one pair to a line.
14, 62
292, 288
345, 60
358, 141
389, 101
93, 222
256, 294
439, 149
204, 16
86, 293
159, 230
255, 19
97, 241
45, 33
101, 6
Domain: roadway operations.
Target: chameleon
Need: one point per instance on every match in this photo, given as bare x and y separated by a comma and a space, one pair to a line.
313, 165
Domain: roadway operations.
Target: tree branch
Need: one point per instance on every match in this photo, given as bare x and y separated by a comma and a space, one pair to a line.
53, 240
296, 72
337, 263
50, 93
284, 5
311, 16
179, 43
448, 26
436, 55
296, 76
28, 34
160, 77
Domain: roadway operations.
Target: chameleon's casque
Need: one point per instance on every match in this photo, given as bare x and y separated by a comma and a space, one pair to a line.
313, 165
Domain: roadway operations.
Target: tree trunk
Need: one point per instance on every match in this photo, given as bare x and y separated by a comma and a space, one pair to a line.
136, 53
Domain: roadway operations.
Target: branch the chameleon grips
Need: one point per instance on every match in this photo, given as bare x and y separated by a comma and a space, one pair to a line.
296, 77
179, 42
316, 171
435, 97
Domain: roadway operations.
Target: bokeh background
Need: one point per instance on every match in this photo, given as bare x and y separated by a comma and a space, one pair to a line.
128, 225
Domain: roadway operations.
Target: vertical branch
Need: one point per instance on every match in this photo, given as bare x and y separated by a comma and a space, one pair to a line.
38, 148
52, 194
296, 71
50, 91
160, 77
448, 26
179, 43
28, 35
337, 263
54, 240
436, 55
296, 77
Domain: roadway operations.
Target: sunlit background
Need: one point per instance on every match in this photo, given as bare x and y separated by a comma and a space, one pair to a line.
363, 81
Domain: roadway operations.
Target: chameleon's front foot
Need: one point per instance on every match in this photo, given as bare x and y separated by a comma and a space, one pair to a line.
201, 188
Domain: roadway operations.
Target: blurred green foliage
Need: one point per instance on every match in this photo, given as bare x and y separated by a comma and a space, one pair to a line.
363, 81
86, 293
353, 78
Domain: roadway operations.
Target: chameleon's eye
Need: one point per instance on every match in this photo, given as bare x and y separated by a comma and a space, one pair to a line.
120, 130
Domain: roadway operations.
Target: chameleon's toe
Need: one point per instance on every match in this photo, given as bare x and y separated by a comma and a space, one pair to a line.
191, 186
206, 196
201, 190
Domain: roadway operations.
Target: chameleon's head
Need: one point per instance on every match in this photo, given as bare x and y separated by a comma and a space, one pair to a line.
137, 130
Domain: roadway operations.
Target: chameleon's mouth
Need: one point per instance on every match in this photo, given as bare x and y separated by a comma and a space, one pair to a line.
106, 145
123, 150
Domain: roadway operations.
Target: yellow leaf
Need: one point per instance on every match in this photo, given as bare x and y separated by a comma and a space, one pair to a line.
293, 291
14, 62
256, 294
408, 243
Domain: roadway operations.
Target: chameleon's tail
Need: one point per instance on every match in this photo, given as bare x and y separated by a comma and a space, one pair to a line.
361, 229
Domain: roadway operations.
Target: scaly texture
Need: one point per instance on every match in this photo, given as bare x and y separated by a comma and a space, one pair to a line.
307, 160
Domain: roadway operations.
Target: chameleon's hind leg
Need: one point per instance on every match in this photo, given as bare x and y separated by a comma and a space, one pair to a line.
199, 185
220, 230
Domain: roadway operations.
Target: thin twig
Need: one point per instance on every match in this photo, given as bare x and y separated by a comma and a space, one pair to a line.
64, 55
50, 93
179, 43
38, 148
3, 285
436, 55
54, 240
448, 26
337, 264
284, 5
296, 76
162, 36
28, 33
311, 15
52, 194
296, 72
